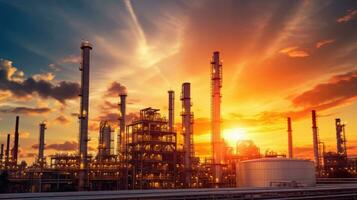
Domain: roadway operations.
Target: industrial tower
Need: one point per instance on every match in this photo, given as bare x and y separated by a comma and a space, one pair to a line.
187, 131
290, 139
340, 138
315, 138
171, 110
83, 116
122, 118
217, 142
41, 145
15, 150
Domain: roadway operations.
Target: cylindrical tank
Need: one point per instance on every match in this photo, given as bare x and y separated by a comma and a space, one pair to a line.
276, 172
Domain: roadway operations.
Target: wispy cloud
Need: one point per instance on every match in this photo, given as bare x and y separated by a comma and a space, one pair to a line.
294, 52
324, 42
351, 14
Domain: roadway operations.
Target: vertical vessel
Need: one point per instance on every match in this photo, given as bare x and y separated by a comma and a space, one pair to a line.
86, 47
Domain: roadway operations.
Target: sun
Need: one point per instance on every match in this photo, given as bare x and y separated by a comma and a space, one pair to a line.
232, 135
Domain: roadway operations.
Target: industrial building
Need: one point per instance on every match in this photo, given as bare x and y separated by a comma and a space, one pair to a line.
152, 153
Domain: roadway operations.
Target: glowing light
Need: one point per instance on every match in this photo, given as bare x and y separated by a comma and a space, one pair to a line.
232, 135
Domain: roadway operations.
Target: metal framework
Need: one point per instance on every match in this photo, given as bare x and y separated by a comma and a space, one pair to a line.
151, 150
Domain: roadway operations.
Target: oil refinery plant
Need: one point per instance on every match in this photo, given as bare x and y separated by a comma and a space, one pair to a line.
149, 153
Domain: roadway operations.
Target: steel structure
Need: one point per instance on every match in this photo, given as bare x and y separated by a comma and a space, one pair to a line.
171, 110
187, 131
15, 149
83, 116
151, 149
290, 139
41, 145
340, 138
122, 122
7, 152
315, 138
104, 140
217, 142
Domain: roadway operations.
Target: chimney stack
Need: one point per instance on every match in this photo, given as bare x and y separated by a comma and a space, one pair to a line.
315, 140
341, 138
41, 145
2, 153
171, 110
83, 117
7, 153
15, 149
217, 142
122, 119
187, 130
290, 139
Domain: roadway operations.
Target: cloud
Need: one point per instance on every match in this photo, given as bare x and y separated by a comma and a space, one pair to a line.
115, 89
109, 105
294, 52
24, 110
324, 42
71, 59
12, 80
337, 90
66, 146
62, 119
44, 77
348, 17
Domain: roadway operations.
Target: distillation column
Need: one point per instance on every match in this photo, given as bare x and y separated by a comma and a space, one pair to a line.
83, 116
217, 142
187, 130
15, 150
104, 145
340, 138
290, 139
315, 138
171, 110
122, 118
41, 145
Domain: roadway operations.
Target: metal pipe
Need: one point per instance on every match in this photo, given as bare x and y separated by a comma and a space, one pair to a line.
83, 117
171, 110
290, 139
187, 130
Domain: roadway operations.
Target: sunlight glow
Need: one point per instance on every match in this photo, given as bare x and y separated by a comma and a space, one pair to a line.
233, 135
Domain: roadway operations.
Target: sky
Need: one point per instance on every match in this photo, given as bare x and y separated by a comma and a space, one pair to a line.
280, 59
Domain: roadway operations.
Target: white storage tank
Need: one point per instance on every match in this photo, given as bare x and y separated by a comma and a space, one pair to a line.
276, 172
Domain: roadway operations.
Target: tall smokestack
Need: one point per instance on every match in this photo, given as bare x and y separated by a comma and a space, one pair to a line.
315, 139
41, 144
340, 138
290, 139
122, 118
7, 158
15, 149
187, 130
2, 153
217, 143
83, 116
171, 110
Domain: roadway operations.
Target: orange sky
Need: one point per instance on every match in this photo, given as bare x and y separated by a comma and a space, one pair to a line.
279, 59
